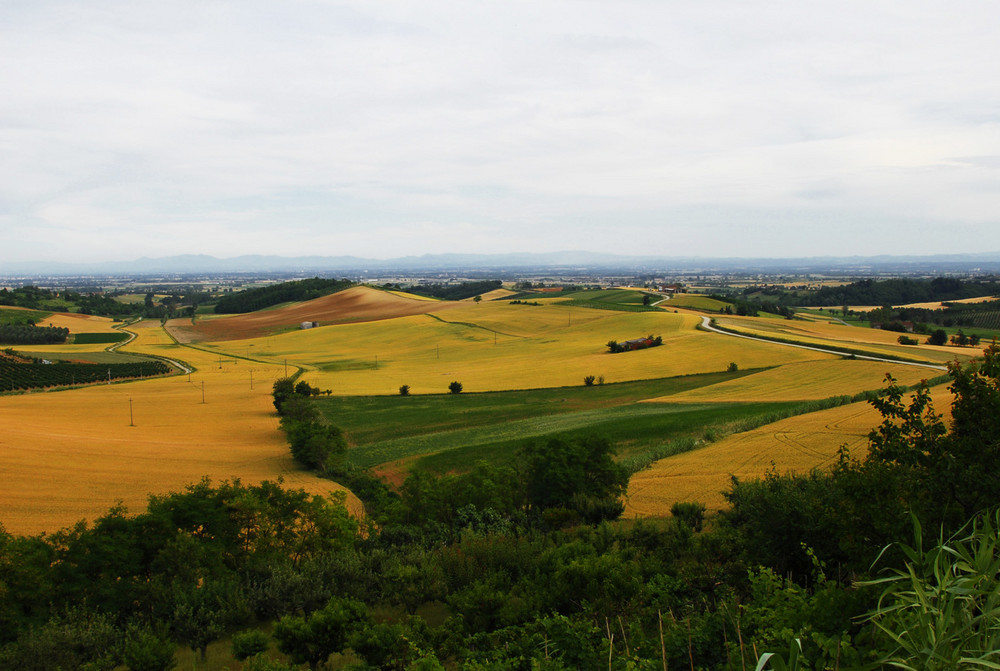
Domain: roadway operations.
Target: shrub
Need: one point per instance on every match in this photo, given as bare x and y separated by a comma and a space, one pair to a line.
404, 390
906, 340
732, 368
246, 644
455, 387
690, 513
589, 380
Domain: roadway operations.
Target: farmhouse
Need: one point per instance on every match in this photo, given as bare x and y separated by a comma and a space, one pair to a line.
637, 343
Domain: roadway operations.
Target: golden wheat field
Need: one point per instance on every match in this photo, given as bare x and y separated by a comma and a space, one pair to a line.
72, 454
793, 445
874, 341
498, 346
805, 381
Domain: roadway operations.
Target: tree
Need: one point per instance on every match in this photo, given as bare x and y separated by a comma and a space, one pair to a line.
146, 650
314, 444
313, 638
576, 474
282, 389
939, 337
404, 390
246, 644
455, 387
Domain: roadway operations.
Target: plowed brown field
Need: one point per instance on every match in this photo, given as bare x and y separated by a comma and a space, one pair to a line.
358, 304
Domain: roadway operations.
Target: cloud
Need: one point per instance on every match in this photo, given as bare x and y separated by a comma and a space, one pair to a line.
238, 127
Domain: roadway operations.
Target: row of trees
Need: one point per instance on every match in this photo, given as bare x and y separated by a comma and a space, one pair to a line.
27, 334
16, 376
259, 298
454, 292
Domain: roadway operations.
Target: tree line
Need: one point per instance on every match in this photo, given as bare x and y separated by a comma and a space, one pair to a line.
27, 334
451, 292
259, 298
525, 566
898, 291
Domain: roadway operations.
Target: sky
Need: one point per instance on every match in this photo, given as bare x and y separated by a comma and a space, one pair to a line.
748, 128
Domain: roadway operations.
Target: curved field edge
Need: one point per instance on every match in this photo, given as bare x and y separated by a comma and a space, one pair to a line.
793, 445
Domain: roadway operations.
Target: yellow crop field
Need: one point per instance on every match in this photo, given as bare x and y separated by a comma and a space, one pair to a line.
793, 445
72, 454
875, 341
936, 305
497, 294
500, 346
810, 380
416, 297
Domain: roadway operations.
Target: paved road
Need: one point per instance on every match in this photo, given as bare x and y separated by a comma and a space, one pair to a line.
706, 324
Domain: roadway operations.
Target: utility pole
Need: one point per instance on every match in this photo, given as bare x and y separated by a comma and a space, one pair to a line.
109, 376
130, 422
202, 391
251, 378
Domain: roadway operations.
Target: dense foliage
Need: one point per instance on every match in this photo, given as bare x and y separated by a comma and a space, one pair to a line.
18, 334
454, 292
265, 297
901, 291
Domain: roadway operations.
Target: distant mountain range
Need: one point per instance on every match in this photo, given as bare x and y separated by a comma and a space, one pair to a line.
568, 261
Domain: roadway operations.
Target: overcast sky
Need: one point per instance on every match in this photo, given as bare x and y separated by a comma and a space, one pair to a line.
387, 128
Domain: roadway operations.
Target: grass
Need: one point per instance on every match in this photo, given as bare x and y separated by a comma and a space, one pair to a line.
9, 316
458, 430
636, 431
98, 338
373, 419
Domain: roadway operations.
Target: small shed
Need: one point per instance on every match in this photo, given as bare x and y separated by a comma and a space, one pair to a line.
308, 325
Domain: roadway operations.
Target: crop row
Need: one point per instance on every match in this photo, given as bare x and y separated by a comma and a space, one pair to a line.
18, 376
986, 319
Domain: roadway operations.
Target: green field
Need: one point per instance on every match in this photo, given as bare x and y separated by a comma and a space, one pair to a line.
625, 300
98, 338
21, 316
451, 432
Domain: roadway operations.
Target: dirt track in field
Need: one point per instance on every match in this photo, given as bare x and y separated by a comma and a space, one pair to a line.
358, 304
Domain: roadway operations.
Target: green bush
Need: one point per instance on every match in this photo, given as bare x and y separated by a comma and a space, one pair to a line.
249, 643
455, 387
